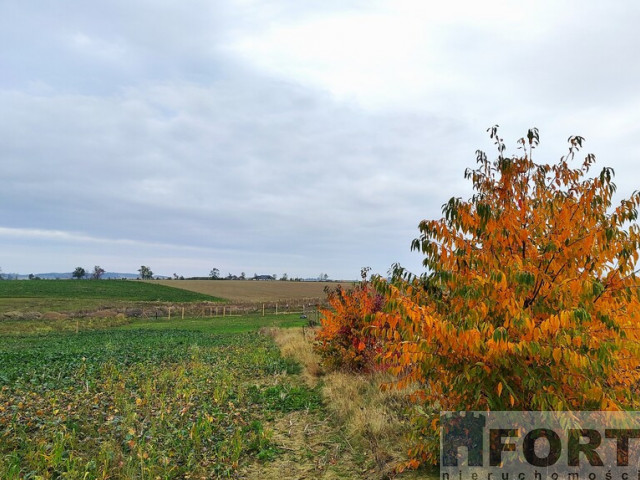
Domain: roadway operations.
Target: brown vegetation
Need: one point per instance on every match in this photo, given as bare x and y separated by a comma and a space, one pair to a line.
253, 291
372, 420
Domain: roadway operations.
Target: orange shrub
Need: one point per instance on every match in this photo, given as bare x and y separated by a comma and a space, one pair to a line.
344, 340
531, 297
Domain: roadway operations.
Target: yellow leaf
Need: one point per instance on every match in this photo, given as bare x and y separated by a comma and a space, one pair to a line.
499, 388
557, 355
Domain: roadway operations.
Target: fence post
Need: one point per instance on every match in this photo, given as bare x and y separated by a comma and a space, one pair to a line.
263, 309
182, 313
169, 313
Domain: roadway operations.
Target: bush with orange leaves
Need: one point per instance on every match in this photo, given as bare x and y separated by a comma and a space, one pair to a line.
531, 297
345, 341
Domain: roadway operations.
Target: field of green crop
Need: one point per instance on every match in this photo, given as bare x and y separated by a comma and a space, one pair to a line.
126, 290
146, 400
88, 295
90, 393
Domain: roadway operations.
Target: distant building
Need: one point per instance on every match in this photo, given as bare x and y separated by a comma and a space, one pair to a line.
263, 277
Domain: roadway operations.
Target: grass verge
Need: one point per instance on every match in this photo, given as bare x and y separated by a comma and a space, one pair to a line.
375, 422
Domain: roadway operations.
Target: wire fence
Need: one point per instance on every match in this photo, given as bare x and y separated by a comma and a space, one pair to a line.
305, 307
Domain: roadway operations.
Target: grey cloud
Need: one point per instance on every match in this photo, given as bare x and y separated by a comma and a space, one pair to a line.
257, 165
134, 125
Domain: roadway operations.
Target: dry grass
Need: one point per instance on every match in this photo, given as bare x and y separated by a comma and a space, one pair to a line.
254, 291
295, 343
374, 420
310, 449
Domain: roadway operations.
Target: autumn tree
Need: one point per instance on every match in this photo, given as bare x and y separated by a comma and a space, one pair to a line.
530, 299
344, 340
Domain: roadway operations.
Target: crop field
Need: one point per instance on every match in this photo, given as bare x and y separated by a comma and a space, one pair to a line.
103, 289
253, 291
84, 396
65, 295
163, 399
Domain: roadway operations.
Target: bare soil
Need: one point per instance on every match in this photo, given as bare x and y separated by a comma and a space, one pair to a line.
255, 291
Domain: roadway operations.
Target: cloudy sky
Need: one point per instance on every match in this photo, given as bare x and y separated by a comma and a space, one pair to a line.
273, 136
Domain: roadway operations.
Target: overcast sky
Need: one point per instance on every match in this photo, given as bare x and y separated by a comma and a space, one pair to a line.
273, 136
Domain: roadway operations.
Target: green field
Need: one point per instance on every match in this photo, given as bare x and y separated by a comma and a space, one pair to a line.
114, 396
82, 296
149, 399
123, 290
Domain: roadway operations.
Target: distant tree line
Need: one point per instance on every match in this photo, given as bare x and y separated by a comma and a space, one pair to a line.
145, 273
79, 273
214, 274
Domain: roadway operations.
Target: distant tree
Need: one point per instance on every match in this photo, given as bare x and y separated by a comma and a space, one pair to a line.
145, 273
1, 275
175, 276
284, 277
79, 273
97, 272
323, 277
32, 276
275, 277
243, 276
214, 274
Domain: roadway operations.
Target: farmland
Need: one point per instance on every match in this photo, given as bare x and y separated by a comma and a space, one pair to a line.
253, 291
70, 295
140, 398
145, 401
